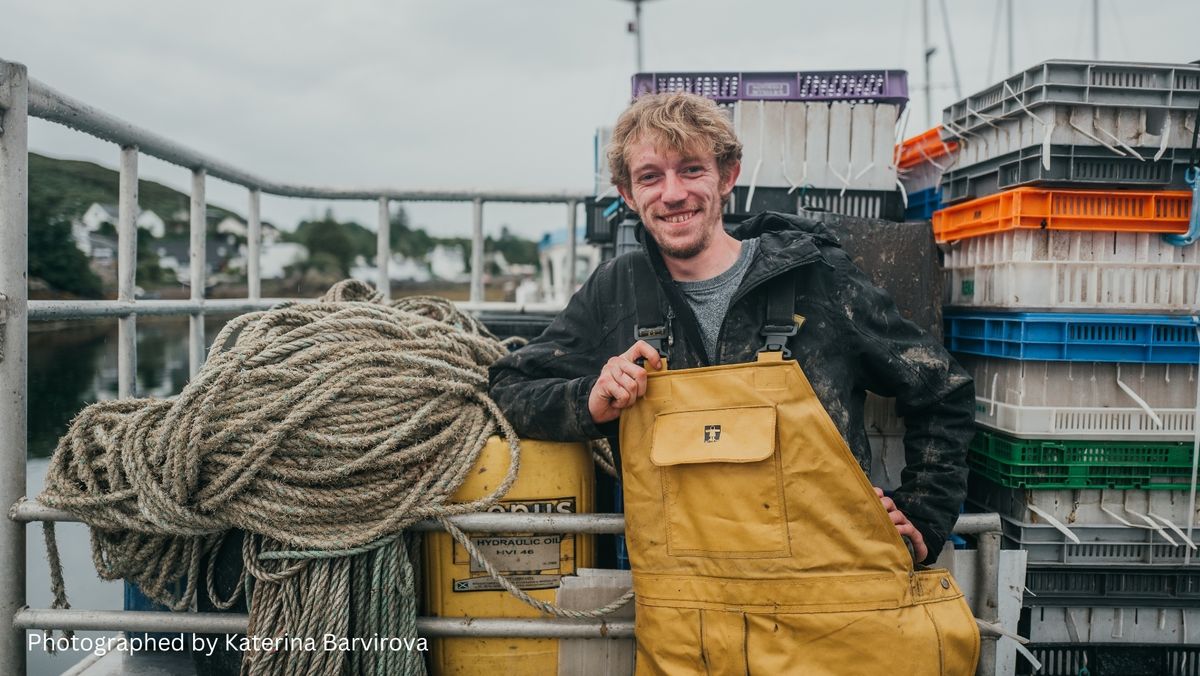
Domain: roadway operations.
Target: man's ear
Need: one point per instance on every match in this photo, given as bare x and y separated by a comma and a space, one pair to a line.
625, 195
729, 179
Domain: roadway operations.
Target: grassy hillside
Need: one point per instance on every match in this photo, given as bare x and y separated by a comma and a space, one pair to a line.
68, 187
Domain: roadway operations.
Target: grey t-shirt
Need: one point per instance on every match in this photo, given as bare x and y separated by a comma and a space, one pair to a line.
710, 298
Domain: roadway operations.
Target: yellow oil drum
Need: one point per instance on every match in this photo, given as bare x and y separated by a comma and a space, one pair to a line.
554, 478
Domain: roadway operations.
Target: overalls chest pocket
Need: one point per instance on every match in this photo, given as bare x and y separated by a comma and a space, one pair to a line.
722, 483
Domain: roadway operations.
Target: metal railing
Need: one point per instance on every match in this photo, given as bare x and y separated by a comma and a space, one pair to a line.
21, 97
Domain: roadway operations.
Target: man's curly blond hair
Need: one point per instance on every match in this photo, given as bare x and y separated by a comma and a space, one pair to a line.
681, 122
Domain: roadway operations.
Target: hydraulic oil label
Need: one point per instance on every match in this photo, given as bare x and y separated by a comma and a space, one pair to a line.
517, 553
530, 561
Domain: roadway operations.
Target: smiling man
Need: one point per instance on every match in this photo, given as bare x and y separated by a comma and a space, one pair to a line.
757, 542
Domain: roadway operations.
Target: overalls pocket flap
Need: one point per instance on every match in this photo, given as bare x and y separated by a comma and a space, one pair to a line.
736, 434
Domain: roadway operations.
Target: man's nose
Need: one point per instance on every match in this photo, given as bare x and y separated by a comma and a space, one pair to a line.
673, 190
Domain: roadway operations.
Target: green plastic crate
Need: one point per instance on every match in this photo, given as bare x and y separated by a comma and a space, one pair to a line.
1032, 463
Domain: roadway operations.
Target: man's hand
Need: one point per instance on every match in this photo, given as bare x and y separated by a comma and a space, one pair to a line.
920, 551
621, 382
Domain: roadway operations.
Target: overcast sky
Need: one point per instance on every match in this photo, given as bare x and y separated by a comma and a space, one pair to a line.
488, 94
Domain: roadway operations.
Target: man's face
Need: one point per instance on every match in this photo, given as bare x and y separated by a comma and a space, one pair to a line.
678, 195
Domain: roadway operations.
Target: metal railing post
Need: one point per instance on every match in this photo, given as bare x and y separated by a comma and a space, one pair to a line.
572, 207
253, 247
988, 605
199, 259
477, 252
14, 297
127, 234
383, 249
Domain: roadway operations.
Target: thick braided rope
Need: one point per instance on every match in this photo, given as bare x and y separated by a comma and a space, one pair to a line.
326, 428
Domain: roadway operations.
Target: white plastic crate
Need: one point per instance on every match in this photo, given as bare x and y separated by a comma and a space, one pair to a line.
925, 175
1058, 269
885, 432
1158, 509
824, 145
1110, 625
1097, 546
1062, 124
1084, 400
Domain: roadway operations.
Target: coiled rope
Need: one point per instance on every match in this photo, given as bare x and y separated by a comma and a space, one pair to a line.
322, 430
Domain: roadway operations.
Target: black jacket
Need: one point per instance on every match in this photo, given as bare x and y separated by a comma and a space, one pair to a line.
853, 339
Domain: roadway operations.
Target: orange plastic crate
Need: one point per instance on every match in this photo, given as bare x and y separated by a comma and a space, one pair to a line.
924, 147
1165, 211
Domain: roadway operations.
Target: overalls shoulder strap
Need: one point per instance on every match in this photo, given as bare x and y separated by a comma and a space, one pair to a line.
650, 325
780, 324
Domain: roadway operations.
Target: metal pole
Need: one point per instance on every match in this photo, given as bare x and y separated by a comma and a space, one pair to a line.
950, 47
254, 247
383, 249
1011, 66
928, 58
1096, 30
986, 602
477, 253
14, 296
637, 31
127, 234
199, 258
571, 246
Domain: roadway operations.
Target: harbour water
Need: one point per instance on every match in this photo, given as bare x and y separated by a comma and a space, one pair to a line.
70, 366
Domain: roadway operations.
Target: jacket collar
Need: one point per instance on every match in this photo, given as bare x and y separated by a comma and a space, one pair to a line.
786, 241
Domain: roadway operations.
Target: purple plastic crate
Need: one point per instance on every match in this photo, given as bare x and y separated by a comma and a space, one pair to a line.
874, 86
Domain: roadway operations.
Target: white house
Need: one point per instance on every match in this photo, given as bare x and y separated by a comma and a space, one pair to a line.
447, 262
400, 269
231, 225
275, 257
554, 256
99, 214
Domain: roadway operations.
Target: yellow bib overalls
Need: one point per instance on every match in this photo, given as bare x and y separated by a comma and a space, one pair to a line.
758, 546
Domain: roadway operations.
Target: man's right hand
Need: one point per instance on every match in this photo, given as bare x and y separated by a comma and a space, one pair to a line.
621, 382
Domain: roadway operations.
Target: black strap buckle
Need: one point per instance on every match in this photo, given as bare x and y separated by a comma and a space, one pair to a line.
655, 336
775, 338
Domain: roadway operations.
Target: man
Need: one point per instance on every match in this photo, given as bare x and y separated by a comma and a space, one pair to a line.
711, 494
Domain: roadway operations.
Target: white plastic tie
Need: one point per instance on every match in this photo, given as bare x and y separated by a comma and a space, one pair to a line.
1165, 141
1155, 526
1138, 400
1058, 525
1121, 143
1028, 112
995, 383
1072, 628
1118, 518
1177, 530
762, 137
1097, 139
903, 193
1019, 641
844, 179
1118, 630
1046, 146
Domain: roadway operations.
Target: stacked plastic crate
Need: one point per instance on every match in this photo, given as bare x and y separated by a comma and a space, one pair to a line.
810, 139
1068, 222
921, 161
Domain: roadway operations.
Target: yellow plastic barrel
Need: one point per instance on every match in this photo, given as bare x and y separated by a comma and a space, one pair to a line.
554, 478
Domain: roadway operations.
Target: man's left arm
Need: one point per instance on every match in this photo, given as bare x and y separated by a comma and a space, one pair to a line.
934, 396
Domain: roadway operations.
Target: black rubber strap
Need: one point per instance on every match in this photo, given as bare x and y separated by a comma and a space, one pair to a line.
650, 326
780, 324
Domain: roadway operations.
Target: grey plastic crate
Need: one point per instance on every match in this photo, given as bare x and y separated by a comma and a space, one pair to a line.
1110, 83
1087, 507
1112, 587
879, 204
1074, 166
1089, 624
1100, 546
1114, 659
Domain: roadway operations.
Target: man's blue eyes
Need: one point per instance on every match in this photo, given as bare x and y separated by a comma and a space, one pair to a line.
686, 170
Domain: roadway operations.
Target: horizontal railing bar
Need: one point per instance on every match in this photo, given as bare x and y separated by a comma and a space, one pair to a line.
47, 103
27, 510
222, 623
56, 310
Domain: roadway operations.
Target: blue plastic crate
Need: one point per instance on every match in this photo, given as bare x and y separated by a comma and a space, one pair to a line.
1148, 339
922, 204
